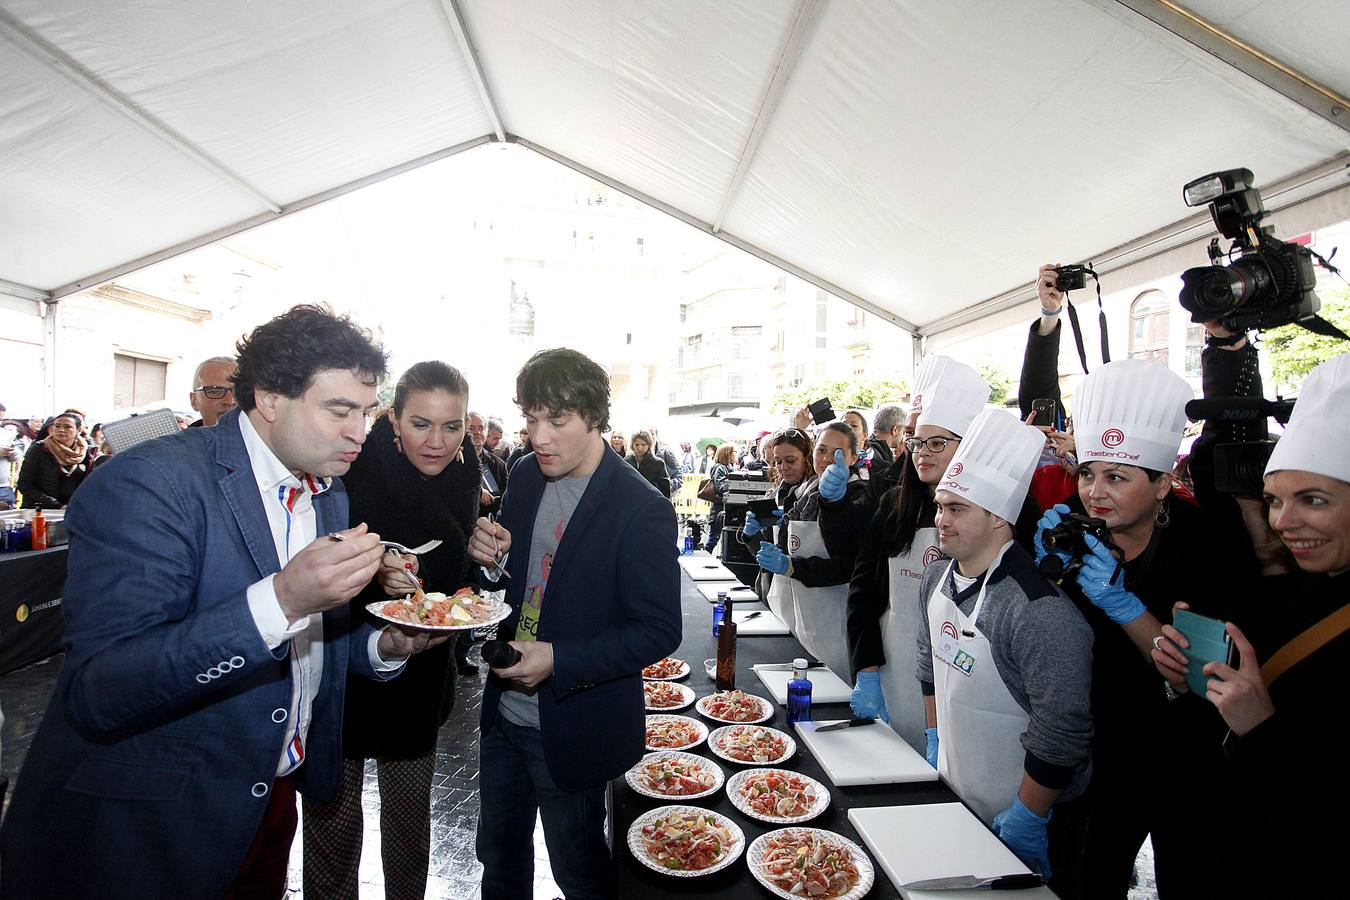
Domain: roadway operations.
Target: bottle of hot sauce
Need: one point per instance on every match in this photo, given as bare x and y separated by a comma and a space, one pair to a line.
39, 530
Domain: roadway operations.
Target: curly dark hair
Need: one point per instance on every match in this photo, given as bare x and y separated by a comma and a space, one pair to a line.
562, 380
285, 354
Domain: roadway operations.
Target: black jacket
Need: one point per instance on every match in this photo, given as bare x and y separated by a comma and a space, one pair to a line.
497, 468
843, 526
653, 470
516, 454
42, 483
398, 719
880, 479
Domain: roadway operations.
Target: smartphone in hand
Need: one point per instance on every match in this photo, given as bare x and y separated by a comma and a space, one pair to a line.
1043, 412
822, 411
1209, 643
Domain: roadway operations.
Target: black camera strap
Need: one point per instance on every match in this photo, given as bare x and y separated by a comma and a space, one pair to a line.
1319, 325
1078, 329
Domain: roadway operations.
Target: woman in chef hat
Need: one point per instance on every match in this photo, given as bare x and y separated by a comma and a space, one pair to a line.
883, 597
1128, 423
1284, 692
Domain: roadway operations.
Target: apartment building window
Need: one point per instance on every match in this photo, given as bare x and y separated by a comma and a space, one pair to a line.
1195, 343
1149, 321
137, 381
744, 341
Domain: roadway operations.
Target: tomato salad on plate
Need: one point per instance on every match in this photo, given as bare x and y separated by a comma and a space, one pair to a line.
666, 695
674, 732
809, 862
685, 841
666, 669
734, 707
754, 744
672, 774
437, 612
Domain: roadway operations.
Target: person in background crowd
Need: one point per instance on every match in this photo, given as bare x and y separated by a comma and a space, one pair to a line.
519, 450
723, 460
55, 467
493, 441
415, 481
819, 542
212, 393
858, 422
709, 459
688, 462
791, 452
1005, 659
752, 461
10, 453
663, 453
581, 540
494, 470
883, 447
883, 598
618, 443
208, 638
647, 464
1283, 691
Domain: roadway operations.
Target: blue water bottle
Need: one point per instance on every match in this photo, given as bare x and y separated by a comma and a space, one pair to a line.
688, 542
719, 612
799, 694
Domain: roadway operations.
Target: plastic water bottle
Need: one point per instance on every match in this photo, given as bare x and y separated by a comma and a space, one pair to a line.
799, 694
719, 612
688, 543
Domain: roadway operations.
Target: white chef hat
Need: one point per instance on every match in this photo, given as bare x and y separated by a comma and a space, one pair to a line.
950, 394
923, 381
994, 463
1131, 411
1318, 437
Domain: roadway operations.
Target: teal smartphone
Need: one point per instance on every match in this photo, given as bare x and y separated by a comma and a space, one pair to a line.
1209, 643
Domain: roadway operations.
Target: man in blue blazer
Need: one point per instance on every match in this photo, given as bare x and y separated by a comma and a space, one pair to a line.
208, 638
593, 583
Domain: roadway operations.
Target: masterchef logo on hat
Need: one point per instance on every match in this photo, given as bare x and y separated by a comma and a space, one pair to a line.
1113, 437
930, 555
955, 470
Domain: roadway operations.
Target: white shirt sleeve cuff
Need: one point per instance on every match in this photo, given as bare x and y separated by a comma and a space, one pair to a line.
267, 615
376, 662
496, 572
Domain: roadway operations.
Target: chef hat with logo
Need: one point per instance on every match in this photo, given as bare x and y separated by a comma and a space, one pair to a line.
950, 396
1131, 411
923, 381
994, 464
1317, 439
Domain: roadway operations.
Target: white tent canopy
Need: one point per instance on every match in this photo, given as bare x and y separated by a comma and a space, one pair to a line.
917, 158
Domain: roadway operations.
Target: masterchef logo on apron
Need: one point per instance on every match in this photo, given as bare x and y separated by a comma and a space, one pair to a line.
929, 555
794, 543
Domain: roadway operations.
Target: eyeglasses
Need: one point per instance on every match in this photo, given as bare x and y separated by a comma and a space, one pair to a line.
791, 434
214, 391
934, 444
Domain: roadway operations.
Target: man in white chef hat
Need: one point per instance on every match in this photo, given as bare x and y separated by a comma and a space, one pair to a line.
884, 592
1005, 658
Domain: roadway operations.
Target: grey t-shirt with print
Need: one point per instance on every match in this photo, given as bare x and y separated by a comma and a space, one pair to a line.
556, 506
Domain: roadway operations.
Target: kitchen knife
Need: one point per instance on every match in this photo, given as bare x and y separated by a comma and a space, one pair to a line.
783, 667
967, 882
844, 723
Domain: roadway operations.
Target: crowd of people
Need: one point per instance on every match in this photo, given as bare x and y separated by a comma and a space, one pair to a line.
1015, 594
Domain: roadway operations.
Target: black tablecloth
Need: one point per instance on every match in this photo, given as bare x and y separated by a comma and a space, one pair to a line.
30, 606
637, 881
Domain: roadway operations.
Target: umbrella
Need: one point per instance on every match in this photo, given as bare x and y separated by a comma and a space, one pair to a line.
742, 414
705, 442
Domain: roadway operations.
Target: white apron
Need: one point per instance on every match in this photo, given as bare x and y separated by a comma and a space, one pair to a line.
820, 611
900, 625
980, 725
779, 596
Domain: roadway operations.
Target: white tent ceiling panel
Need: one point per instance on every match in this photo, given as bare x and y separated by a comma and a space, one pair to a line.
292, 96
1311, 35
909, 173
659, 96
74, 177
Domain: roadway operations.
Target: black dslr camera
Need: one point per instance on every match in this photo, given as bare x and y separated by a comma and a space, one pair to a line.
1269, 284
1067, 537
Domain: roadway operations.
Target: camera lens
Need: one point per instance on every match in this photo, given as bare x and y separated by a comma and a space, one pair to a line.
1211, 292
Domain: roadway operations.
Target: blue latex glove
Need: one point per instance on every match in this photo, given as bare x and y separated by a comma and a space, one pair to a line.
867, 700
1053, 516
930, 753
1024, 833
1102, 579
834, 482
771, 559
754, 526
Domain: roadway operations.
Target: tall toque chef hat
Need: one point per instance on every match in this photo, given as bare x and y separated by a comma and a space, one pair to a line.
1318, 436
994, 464
949, 395
1133, 412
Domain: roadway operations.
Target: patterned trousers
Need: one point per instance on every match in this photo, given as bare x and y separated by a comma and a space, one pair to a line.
333, 831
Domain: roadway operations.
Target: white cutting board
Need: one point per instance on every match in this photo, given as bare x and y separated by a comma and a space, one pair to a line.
868, 754
737, 592
938, 840
763, 625
706, 568
826, 687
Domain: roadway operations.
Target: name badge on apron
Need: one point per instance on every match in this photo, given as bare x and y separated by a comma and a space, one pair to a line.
949, 651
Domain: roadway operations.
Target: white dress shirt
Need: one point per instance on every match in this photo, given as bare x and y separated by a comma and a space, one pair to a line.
292, 530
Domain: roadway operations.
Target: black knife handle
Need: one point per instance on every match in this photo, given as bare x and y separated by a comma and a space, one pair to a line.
500, 654
1016, 882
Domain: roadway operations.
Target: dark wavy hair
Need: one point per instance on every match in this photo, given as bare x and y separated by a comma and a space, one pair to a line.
431, 375
905, 508
285, 354
562, 380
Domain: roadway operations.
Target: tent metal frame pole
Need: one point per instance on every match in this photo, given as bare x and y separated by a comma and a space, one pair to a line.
1258, 65
229, 230
787, 63
1310, 184
24, 292
466, 46
706, 227
53, 56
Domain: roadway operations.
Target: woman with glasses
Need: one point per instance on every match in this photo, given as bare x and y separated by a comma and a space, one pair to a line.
817, 547
883, 596
56, 465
